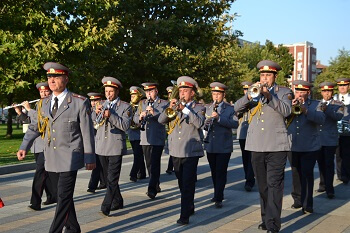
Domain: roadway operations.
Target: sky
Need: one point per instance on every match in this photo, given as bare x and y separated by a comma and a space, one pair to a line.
326, 24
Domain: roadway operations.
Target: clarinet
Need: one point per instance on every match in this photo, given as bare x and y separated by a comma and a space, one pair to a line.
144, 120
209, 125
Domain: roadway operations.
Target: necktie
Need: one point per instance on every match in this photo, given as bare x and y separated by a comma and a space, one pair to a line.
55, 107
342, 99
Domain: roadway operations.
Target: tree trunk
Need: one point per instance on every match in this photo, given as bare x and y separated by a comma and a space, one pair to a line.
9, 117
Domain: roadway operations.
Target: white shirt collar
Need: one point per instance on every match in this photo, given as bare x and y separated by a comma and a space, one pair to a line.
60, 98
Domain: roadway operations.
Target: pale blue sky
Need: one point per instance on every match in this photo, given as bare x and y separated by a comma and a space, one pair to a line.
324, 23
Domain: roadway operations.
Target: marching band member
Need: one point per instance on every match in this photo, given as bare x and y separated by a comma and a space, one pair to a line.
42, 180
66, 125
343, 152
334, 111
112, 121
268, 141
170, 167
97, 174
302, 124
138, 170
219, 140
184, 139
152, 134
241, 136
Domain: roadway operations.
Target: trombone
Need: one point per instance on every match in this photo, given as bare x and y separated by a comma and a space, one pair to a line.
17, 105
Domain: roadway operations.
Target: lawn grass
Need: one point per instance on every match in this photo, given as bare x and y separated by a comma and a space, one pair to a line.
10, 146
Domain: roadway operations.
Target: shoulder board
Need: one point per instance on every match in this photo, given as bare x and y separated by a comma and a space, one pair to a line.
338, 102
78, 96
46, 97
121, 101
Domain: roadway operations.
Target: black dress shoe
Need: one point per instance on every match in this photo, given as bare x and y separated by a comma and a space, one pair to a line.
35, 207
91, 190
248, 188
169, 172
104, 213
49, 202
218, 204
330, 195
102, 187
158, 189
151, 195
183, 221
320, 190
307, 210
262, 226
296, 206
133, 179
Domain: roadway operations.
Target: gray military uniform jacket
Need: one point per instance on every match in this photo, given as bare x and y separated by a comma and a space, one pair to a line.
185, 139
111, 137
154, 133
329, 130
303, 129
220, 134
38, 144
267, 132
243, 124
346, 117
71, 141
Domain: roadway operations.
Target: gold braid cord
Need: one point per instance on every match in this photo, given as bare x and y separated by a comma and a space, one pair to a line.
252, 113
172, 124
43, 123
290, 120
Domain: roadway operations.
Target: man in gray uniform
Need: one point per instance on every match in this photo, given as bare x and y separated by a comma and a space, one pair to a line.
138, 170
184, 139
112, 121
42, 180
67, 129
241, 136
152, 134
334, 111
344, 146
268, 140
219, 140
97, 175
302, 125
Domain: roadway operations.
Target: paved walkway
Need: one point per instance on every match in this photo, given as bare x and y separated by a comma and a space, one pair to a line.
241, 211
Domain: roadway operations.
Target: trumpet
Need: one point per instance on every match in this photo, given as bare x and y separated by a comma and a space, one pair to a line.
17, 105
171, 112
144, 120
100, 119
210, 122
255, 89
296, 108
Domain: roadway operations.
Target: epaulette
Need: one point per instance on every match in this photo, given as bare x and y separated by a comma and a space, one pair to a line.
338, 102
121, 101
78, 96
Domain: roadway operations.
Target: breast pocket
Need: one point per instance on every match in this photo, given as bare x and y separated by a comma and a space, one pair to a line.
70, 124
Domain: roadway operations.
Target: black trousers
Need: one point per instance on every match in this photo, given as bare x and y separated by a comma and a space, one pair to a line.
218, 163
139, 161
113, 197
170, 164
97, 175
186, 174
269, 171
65, 212
247, 164
43, 180
303, 164
338, 163
344, 151
325, 162
152, 156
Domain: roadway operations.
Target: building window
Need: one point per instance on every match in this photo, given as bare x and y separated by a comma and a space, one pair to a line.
300, 66
300, 56
300, 76
313, 58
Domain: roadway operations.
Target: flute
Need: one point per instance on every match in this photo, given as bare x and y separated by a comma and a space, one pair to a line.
17, 105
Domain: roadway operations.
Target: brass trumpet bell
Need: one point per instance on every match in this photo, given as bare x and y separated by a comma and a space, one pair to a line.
296, 109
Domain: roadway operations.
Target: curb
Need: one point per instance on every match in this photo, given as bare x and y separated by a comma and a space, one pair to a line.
13, 168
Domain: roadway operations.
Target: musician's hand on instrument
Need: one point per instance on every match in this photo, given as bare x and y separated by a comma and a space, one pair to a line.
21, 154
90, 166
215, 115
18, 109
295, 102
149, 109
303, 108
26, 105
107, 113
172, 103
142, 115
